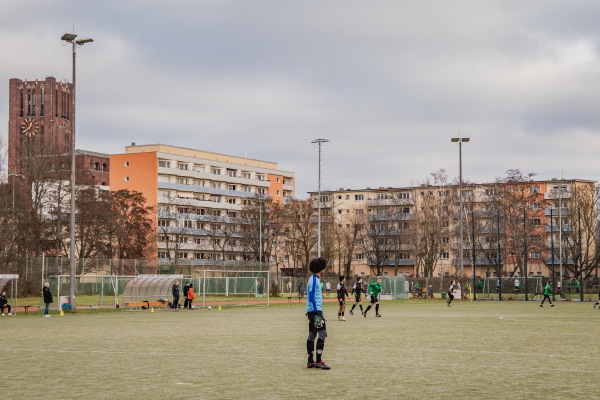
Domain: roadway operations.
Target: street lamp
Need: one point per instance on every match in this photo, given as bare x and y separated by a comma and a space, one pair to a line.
319, 142
460, 141
70, 38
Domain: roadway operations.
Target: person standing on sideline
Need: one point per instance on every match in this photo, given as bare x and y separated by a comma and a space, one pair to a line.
314, 311
190, 296
450, 293
47, 299
374, 290
357, 289
342, 293
4, 304
595, 304
517, 285
186, 302
327, 288
547, 290
175, 291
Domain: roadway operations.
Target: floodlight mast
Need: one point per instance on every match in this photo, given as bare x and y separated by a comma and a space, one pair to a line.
460, 141
319, 142
70, 38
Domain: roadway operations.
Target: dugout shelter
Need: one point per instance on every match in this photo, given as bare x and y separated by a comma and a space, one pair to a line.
149, 288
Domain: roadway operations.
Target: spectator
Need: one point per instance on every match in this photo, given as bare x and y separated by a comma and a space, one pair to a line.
190, 296
4, 304
47, 299
517, 285
186, 301
175, 291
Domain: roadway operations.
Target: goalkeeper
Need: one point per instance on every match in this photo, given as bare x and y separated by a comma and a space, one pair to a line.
314, 312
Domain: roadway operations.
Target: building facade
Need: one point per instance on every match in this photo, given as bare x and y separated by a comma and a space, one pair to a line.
197, 197
508, 228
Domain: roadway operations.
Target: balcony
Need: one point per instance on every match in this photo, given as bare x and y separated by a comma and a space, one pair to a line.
556, 228
390, 202
555, 211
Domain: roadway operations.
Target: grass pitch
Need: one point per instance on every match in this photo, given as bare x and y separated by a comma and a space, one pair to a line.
417, 350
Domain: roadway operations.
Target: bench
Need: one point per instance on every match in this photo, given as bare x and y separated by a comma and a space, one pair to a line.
146, 304
26, 308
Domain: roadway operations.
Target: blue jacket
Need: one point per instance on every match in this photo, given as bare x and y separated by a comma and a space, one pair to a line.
314, 295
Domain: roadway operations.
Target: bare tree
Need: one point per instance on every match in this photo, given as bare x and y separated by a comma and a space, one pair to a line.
300, 217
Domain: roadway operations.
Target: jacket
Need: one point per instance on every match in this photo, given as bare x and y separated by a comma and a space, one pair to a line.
47, 295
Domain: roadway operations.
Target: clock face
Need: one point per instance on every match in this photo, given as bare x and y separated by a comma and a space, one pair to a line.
30, 127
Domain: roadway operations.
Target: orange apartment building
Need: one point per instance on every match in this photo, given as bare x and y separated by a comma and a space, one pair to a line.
197, 196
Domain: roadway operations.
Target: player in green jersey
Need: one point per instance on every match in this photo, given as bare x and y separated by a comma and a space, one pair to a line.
374, 290
547, 290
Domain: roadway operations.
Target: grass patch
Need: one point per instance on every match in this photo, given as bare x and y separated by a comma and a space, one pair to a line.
417, 350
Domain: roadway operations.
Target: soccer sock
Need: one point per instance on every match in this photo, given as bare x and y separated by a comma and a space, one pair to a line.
310, 347
361, 308
376, 308
368, 308
320, 345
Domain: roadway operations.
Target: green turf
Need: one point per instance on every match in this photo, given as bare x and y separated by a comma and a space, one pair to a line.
417, 350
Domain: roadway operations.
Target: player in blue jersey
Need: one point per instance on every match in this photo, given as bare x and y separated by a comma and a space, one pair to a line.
314, 311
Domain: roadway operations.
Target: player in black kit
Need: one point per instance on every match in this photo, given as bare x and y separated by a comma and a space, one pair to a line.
357, 289
341, 296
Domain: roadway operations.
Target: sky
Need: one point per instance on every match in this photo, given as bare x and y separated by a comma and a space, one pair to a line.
388, 83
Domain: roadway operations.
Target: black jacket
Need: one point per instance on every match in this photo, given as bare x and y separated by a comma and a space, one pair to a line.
3, 300
176, 290
47, 295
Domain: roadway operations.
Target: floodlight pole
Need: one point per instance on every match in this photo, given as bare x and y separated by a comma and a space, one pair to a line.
460, 141
319, 142
70, 38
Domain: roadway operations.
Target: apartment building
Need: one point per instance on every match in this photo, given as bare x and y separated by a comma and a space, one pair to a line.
198, 197
414, 231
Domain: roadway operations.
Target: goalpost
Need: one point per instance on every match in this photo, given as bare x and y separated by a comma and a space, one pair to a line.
242, 285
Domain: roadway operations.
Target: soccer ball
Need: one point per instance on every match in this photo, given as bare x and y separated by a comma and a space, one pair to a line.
209, 307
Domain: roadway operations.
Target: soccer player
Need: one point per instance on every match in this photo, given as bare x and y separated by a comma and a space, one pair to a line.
450, 293
374, 290
547, 295
314, 312
341, 296
598, 302
357, 289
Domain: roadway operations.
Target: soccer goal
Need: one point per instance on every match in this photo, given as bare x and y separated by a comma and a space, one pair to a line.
233, 287
393, 287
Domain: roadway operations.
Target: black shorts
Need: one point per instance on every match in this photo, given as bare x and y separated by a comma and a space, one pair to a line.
342, 301
451, 296
374, 299
357, 298
316, 322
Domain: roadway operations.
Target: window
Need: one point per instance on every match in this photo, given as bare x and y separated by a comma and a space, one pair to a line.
199, 256
535, 254
536, 238
216, 185
536, 206
278, 179
231, 187
534, 189
183, 239
536, 221
347, 197
359, 197
183, 181
164, 164
163, 222
182, 255
126, 163
339, 197
199, 168
260, 177
231, 201
232, 173
445, 240
216, 199
163, 254
261, 191
443, 193
186, 224
163, 238
126, 179
404, 195
246, 175
360, 256
183, 167
360, 212
215, 171
246, 189
278, 193
445, 255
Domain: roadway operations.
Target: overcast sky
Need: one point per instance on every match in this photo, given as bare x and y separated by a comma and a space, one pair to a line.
387, 82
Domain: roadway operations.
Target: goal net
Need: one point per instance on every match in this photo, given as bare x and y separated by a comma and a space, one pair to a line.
232, 287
